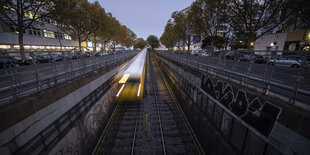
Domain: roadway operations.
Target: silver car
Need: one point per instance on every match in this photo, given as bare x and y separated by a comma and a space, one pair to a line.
288, 61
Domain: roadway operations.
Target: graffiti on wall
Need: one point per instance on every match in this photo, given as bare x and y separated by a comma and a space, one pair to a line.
254, 110
78, 139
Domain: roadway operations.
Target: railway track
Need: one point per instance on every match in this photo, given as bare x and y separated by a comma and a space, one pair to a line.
156, 125
120, 133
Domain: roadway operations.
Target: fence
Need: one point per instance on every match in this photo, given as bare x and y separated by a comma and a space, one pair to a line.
282, 82
42, 70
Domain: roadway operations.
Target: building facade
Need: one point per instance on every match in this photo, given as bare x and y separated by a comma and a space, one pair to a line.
286, 41
43, 36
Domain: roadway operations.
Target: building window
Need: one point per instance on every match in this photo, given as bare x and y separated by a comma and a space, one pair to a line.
37, 32
59, 35
29, 31
33, 31
49, 34
5, 46
67, 36
54, 22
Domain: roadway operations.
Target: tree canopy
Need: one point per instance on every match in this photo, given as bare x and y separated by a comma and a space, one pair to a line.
81, 19
140, 43
234, 20
152, 41
24, 14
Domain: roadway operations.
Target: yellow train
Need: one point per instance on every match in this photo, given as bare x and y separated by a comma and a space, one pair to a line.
131, 79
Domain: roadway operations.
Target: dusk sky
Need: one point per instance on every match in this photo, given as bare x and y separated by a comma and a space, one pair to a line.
144, 17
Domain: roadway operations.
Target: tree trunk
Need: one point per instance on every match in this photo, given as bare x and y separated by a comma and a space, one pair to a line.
114, 44
21, 44
189, 43
79, 39
80, 46
104, 46
95, 42
20, 23
59, 39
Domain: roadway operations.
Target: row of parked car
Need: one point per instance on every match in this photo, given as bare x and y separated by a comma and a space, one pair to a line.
9, 61
294, 61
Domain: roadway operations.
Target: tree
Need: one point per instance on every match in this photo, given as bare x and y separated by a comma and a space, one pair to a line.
168, 38
140, 43
217, 41
258, 17
98, 21
208, 18
152, 41
24, 14
183, 26
116, 32
128, 38
75, 18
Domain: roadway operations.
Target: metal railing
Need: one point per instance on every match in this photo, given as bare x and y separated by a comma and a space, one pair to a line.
42, 70
289, 84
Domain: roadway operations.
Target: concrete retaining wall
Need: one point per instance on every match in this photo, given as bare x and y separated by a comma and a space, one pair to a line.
80, 139
41, 130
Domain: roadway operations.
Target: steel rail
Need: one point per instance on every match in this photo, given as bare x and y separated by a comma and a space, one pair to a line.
158, 115
135, 131
106, 131
183, 116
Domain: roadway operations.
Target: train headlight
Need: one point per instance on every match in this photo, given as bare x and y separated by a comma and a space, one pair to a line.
120, 90
139, 90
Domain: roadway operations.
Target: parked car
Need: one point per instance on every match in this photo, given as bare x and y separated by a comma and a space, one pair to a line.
7, 61
245, 58
100, 54
289, 61
120, 49
44, 58
231, 55
192, 52
87, 54
76, 56
205, 53
59, 58
259, 59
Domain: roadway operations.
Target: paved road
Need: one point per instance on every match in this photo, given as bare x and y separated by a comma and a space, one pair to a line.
27, 73
283, 75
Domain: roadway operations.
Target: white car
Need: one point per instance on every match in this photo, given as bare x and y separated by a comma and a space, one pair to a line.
206, 54
288, 61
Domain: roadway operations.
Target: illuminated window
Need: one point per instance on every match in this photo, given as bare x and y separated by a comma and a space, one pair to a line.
5, 46
67, 36
49, 34
29, 14
54, 22
16, 46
